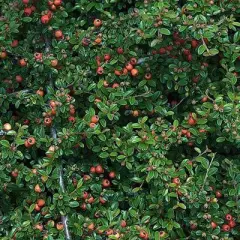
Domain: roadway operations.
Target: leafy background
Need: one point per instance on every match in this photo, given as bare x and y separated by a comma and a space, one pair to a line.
172, 141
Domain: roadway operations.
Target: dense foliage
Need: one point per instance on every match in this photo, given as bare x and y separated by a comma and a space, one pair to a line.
120, 119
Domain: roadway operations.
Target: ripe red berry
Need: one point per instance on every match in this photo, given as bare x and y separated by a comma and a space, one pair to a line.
19, 78
194, 43
102, 200
99, 169
226, 228
123, 223
92, 169
169, 48
228, 217
97, 23
120, 50
189, 58
58, 34
95, 119
107, 57
133, 61
85, 195
176, 181
27, 11
112, 174
213, 225
232, 223
162, 51
100, 70
45, 19
106, 183
71, 119
14, 173
57, 2
14, 43
218, 194
186, 52
143, 234
191, 121
193, 226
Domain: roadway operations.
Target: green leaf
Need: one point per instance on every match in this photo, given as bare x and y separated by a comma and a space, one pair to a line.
74, 204
5, 143
220, 139
203, 161
133, 213
164, 31
27, 19
135, 139
132, 100
155, 42
211, 52
181, 205
236, 24
175, 123
231, 204
11, 133
201, 49
103, 155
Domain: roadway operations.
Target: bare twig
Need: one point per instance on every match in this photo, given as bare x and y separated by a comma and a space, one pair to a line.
206, 93
204, 44
136, 96
206, 176
19, 92
179, 103
64, 218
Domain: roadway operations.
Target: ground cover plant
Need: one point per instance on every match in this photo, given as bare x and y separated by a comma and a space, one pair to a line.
119, 119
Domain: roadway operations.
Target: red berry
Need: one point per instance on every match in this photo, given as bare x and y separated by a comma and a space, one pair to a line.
162, 51
100, 70
169, 48
27, 11
106, 183
92, 169
176, 181
120, 50
232, 223
107, 57
45, 19
186, 52
213, 225
112, 174
228, 217
189, 58
123, 223
193, 226
99, 169
191, 121
226, 228
218, 194
194, 43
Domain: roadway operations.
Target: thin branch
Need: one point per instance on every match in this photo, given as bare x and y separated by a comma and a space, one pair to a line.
206, 93
21, 91
204, 44
64, 218
136, 96
206, 176
179, 103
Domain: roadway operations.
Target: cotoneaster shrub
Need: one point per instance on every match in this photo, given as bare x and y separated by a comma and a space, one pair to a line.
119, 119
